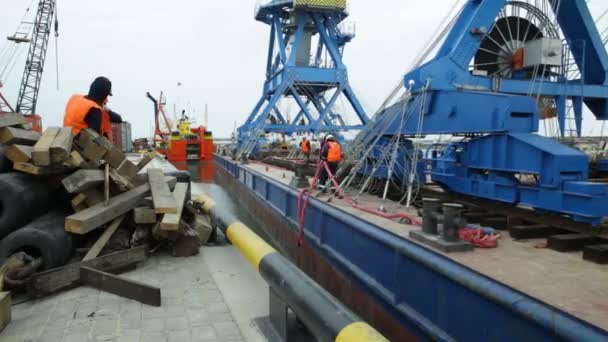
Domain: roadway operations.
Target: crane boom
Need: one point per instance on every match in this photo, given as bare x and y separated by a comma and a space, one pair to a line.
34, 65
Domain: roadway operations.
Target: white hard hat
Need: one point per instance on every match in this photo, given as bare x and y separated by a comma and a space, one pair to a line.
330, 137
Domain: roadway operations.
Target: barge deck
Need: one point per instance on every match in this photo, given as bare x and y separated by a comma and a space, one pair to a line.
518, 275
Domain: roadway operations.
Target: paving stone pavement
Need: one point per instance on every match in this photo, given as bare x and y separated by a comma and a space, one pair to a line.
193, 309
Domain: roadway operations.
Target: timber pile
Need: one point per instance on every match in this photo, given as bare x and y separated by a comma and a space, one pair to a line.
120, 212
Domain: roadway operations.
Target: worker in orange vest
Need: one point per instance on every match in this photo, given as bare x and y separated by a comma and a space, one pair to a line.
89, 111
305, 146
331, 153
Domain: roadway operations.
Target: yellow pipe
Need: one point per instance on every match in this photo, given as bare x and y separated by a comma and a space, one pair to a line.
255, 249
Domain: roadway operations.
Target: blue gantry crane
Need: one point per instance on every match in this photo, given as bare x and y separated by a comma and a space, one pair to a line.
305, 67
502, 66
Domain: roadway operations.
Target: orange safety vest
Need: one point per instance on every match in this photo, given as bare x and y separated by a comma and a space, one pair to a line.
76, 111
305, 145
334, 153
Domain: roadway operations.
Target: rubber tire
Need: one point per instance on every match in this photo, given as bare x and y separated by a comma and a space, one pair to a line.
5, 164
46, 235
22, 198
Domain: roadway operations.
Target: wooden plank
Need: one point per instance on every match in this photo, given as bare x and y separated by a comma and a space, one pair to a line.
66, 277
19, 153
496, 222
93, 152
536, 231
103, 239
76, 160
79, 202
164, 202
105, 143
147, 158
127, 169
12, 119
99, 214
596, 253
42, 154
120, 286
188, 242
572, 242
115, 157
82, 180
5, 309
122, 183
40, 170
171, 221
144, 215
94, 197
12, 135
61, 147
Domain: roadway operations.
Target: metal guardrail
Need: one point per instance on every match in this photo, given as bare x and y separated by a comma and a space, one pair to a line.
321, 313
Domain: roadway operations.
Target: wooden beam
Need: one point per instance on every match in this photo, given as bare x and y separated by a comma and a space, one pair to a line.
94, 197
5, 309
92, 152
122, 183
42, 154
171, 221
11, 136
79, 202
535, 231
572, 242
145, 160
596, 253
76, 160
120, 286
127, 169
144, 215
188, 242
12, 119
82, 180
103, 239
19, 153
66, 277
164, 202
115, 157
61, 147
99, 214
40, 170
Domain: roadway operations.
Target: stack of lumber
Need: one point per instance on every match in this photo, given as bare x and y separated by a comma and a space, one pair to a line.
117, 207
105, 188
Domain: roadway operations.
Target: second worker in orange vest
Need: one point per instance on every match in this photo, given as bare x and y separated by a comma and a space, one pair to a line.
332, 154
305, 146
89, 111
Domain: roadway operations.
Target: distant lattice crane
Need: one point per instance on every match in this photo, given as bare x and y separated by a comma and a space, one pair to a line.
34, 65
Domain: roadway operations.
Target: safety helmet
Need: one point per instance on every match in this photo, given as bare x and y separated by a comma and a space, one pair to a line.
330, 138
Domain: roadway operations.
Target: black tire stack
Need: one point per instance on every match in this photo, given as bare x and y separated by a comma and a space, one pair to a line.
29, 221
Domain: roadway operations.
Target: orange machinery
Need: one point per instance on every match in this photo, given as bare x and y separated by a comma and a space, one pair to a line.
183, 144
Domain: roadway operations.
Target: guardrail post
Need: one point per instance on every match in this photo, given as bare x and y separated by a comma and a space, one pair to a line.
279, 318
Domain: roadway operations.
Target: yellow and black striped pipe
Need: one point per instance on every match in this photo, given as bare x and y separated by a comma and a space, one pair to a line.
324, 315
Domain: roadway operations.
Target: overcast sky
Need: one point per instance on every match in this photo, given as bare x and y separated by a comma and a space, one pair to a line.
215, 49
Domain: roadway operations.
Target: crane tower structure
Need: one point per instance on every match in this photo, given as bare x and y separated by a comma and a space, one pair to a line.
304, 67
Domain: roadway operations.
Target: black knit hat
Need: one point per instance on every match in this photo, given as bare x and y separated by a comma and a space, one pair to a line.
100, 88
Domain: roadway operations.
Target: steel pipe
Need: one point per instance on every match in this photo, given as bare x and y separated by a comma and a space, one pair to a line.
321, 313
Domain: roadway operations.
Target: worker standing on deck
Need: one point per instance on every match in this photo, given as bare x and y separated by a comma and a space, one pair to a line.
305, 146
90, 111
331, 153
